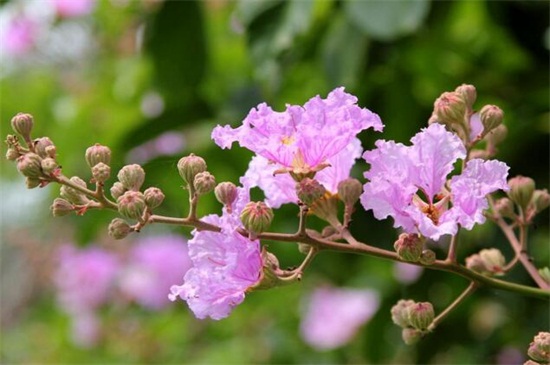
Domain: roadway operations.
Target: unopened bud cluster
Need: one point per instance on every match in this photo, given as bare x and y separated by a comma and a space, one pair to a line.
413, 317
523, 195
488, 262
410, 247
539, 349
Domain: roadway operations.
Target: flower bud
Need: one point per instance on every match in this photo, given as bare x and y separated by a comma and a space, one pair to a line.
505, 207
450, 108
539, 349
117, 190
521, 190
421, 315
411, 335
545, 274
486, 262
349, 191
32, 183
491, 117
309, 190
400, 314
50, 151
256, 217
119, 228
61, 207
132, 204
30, 165
40, 146
22, 123
12, 154
96, 154
226, 193
427, 257
468, 93
497, 135
72, 195
101, 172
131, 177
48, 165
269, 278
153, 197
204, 183
409, 246
541, 200
190, 166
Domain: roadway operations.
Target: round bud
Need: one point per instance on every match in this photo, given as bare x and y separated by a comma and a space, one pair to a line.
468, 93
400, 314
349, 191
309, 190
411, 335
190, 166
497, 135
101, 172
491, 117
61, 207
131, 177
226, 193
409, 246
539, 349
42, 145
450, 108
30, 165
117, 190
72, 195
12, 154
521, 190
493, 260
541, 200
22, 123
32, 183
48, 165
204, 183
119, 229
256, 217
153, 197
505, 207
98, 153
50, 151
427, 257
421, 315
132, 204
475, 263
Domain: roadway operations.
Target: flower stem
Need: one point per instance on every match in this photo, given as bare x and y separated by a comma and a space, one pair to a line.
437, 320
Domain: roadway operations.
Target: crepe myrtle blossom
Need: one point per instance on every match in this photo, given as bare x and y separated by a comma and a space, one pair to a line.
300, 140
334, 315
281, 188
225, 266
408, 183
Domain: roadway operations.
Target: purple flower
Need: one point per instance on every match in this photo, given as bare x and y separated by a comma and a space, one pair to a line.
408, 183
73, 8
301, 139
334, 315
281, 188
155, 263
225, 266
18, 36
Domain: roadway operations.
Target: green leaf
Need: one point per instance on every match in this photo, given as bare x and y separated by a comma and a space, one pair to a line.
387, 20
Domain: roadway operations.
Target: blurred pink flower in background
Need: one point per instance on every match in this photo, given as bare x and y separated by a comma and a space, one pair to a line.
154, 264
73, 8
18, 35
407, 273
334, 315
166, 144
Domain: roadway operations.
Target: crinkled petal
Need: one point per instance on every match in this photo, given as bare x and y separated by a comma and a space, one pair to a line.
340, 166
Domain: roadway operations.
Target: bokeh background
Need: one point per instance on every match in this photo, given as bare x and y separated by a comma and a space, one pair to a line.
152, 78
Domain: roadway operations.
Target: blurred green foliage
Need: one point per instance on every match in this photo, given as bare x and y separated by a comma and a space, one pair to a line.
210, 62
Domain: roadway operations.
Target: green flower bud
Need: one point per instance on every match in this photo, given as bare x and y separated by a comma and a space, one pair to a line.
400, 314
421, 315
32, 183
119, 229
349, 191
226, 193
72, 195
22, 123
12, 154
491, 117
98, 153
539, 349
411, 335
468, 93
131, 177
505, 207
48, 165
487, 262
190, 166
30, 165
256, 217
42, 145
61, 207
427, 257
409, 246
309, 191
153, 197
541, 200
101, 172
450, 108
50, 151
204, 183
117, 190
269, 278
132, 204
521, 190
496, 135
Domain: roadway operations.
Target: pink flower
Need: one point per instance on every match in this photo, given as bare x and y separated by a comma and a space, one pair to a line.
281, 188
155, 263
301, 139
18, 36
73, 8
225, 266
334, 315
409, 184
